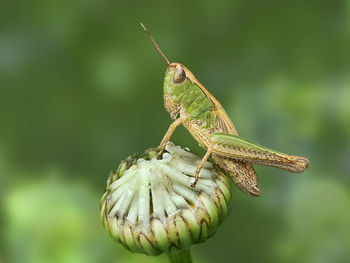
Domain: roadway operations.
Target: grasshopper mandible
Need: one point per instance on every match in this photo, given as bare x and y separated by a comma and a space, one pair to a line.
190, 103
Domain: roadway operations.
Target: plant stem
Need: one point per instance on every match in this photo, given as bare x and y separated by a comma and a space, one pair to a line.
184, 256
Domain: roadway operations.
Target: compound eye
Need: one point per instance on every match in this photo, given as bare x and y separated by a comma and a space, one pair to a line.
180, 75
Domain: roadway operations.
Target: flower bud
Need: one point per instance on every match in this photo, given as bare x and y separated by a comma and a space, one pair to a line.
150, 207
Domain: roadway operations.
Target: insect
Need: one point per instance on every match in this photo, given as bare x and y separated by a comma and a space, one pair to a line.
191, 104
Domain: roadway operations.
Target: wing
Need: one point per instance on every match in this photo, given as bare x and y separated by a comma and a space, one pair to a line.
233, 146
223, 122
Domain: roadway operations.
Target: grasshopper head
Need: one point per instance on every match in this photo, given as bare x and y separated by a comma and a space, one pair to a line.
180, 73
177, 72
176, 81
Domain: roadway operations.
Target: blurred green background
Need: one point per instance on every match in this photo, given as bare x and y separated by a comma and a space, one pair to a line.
81, 89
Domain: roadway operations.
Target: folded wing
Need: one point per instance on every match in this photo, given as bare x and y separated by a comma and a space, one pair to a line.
236, 147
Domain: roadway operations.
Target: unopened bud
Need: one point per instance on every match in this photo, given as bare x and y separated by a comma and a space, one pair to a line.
150, 207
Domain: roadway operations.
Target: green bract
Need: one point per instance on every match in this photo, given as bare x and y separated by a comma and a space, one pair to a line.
150, 207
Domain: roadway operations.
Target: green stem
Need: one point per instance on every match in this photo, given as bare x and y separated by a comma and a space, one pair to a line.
184, 256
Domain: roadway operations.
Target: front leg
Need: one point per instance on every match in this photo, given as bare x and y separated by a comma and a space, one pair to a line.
168, 134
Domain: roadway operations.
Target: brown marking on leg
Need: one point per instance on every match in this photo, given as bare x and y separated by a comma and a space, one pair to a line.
242, 173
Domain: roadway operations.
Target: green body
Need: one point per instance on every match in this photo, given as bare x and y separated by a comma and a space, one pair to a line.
189, 97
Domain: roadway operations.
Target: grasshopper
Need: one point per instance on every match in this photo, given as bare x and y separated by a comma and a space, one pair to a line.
189, 103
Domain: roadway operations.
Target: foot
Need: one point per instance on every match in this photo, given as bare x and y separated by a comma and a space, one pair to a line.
160, 153
193, 185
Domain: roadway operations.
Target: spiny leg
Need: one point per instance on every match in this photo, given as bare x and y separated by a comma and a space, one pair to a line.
199, 167
242, 173
168, 134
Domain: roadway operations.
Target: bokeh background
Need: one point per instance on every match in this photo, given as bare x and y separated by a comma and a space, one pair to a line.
81, 89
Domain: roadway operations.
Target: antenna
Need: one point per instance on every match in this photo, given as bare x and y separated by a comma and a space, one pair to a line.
155, 44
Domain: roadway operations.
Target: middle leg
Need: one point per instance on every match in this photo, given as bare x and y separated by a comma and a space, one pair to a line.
199, 167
